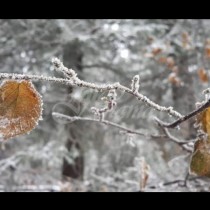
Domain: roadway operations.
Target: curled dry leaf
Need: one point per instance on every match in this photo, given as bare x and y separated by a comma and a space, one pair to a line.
20, 108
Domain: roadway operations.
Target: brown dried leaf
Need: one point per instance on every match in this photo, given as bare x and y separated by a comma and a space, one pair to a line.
20, 108
200, 161
203, 76
174, 79
156, 51
203, 119
207, 51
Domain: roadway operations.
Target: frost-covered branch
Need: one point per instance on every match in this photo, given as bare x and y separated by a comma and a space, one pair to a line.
181, 143
184, 118
111, 102
73, 80
180, 182
35, 78
133, 91
106, 122
10, 161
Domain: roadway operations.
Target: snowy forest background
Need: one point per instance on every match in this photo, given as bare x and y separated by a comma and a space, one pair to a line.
172, 58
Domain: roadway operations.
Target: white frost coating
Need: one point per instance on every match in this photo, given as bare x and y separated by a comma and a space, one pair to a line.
33, 89
4, 122
135, 84
72, 80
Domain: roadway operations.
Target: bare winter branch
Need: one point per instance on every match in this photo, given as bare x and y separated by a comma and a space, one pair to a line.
182, 144
106, 122
184, 118
73, 80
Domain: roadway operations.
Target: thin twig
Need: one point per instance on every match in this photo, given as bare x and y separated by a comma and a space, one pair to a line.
178, 181
186, 179
106, 122
35, 78
127, 130
182, 144
33, 188
181, 181
184, 118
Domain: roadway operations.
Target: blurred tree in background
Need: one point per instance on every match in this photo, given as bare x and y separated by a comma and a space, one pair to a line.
172, 59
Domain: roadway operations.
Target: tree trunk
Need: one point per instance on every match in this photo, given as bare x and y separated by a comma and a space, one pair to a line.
72, 58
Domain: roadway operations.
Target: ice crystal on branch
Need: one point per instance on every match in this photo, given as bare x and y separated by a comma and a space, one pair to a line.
135, 84
69, 73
